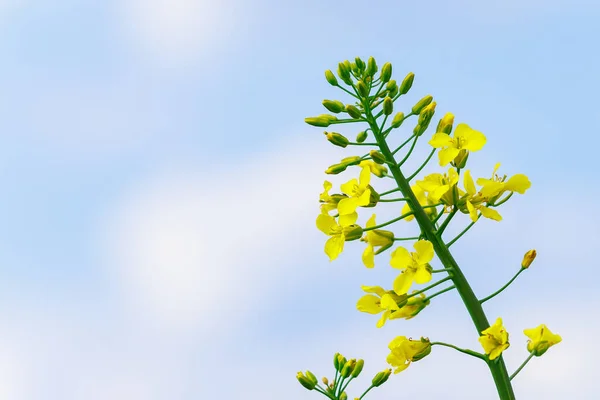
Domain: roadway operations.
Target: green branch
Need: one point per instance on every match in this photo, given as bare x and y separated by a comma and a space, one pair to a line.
502, 288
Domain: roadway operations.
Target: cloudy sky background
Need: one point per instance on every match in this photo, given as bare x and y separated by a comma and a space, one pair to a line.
159, 195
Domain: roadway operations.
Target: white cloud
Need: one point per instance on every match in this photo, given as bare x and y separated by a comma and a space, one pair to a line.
186, 245
177, 31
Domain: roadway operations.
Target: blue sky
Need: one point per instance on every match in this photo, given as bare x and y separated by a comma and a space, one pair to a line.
160, 190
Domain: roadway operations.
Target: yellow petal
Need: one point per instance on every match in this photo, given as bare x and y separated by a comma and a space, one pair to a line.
349, 187
401, 258
369, 304
368, 257
388, 303
326, 223
348, 219
371, 221
440, 139
423, 275
365, 177
334, 246
490, 213
469, 184
471, 139
403, 282
424, 250
383, 318
437, 194
365, 198
447, 155
518, 183
490, 188
378, 290
348, 205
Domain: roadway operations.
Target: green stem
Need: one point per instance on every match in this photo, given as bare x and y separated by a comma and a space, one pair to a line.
497, 369
436, 271
361, 144
504, 200
388, 192
345, 386
389, 222
403, 144
407, 238
497, 292
462, 233
438, 293
366, 391
391, 200
446, 222
323, 391
465, 351
412, 147
522, 366
410, 178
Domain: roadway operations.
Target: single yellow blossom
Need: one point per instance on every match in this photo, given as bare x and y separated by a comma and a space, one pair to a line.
339, 234
375, 237
540, 339
404, 351
376, 169
475, 201
379, 300
494, 187
439, 187
464, 138
415, 265
494, 340
359, 193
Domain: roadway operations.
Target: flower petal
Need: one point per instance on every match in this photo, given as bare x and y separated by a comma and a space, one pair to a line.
424, 250
490, 213
325, 223
334, 246
440, 139
447, 155
473, 140
518, 183
401, 258
348, 205
368, 257
469, 184
369, 304
403, 282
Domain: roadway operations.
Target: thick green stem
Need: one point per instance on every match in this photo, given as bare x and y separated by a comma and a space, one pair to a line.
498, 369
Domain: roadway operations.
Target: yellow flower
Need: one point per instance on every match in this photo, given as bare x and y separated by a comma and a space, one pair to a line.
339, 234
404, 351
475, 201
359, 193
494, 340
540, 339
415, 265
438, 187
376, 237
464, 138
494, 187
392, 305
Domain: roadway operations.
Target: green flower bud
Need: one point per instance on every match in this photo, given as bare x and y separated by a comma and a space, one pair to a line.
388, 106
386, 72
325, 381
362, 88
349, 365
331, 78
374, 198
407, 83
425, 117
358, 367
371, 67
323, 120
344, 73
311, 377
352, 232
425, 352
361, 137
377, 157
421, 104
381, 377
341, 362
335, 106
445, 124
343, 396
347, 64
336, 169
360, 63
352, 160
306, 382
337, 139
353, 111
460, 161
336, 361
398, 120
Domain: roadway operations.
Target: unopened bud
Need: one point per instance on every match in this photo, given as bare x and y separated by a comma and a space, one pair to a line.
343, 396
398, 119
361, 137
344, 73
460, 161
388, 106
304, 381
407, 83
359, 63
528, 258
362, 88
381, 377
425, 118
341, 362
325, 381
445, 124
386, 72
358, 368
331, 78
335, 106
421, 104
323, 120
392, 88
371, 67
336, 361
352, 232
352, 160
336, 169
353, 111
377, 157
337, 139
311, 377
348, 367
